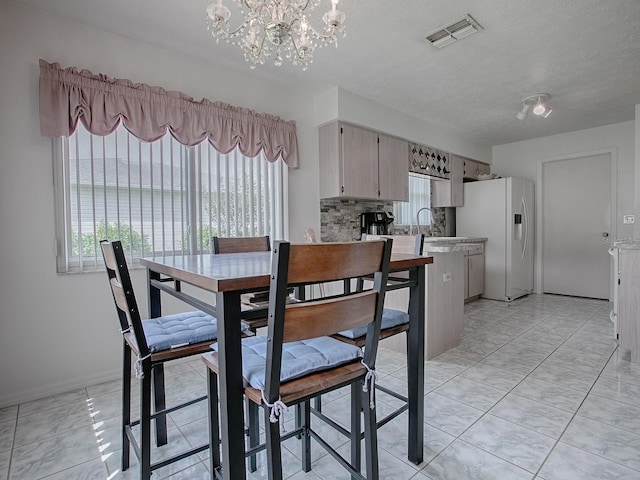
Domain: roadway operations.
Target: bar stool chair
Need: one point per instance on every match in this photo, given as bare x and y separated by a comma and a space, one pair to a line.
393, 322
250, 301
298, 360
154, 342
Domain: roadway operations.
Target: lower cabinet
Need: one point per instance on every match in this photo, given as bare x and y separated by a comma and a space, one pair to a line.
474, 275
628, 301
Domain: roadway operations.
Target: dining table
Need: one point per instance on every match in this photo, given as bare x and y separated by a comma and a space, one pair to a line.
216, 284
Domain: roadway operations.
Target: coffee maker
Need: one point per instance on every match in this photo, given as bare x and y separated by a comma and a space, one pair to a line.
376, 223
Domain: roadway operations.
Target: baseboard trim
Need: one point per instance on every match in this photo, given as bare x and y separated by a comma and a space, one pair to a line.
55, 388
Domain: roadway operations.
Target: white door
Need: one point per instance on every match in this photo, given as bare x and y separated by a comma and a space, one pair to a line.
576, 226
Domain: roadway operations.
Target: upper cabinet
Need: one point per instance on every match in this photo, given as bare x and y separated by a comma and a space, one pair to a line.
360, 163
449, 193
473, 168
393, 168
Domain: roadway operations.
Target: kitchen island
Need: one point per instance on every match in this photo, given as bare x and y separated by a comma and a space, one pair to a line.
626, 303
445, 294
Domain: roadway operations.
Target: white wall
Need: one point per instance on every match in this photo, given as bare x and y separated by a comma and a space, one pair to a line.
637, 172
521, 159
59, 331
338, 103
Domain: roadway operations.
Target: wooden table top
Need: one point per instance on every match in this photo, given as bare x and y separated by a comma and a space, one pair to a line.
240, 271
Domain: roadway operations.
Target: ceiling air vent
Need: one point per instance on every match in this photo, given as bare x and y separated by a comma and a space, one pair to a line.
462, 27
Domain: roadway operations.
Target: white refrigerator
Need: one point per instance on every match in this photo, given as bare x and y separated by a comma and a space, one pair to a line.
502, 211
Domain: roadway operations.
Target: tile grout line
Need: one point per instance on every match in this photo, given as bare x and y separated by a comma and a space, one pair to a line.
457, 437
574, 416
535, 474
13, 444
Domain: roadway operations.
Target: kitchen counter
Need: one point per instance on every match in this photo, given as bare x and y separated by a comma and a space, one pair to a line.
445, 294
626, 303
627, 244
454, 244
454, 240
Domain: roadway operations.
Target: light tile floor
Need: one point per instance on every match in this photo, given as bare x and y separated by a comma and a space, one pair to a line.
536, 389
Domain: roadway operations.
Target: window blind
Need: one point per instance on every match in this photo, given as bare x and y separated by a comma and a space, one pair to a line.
159, 197
419, 197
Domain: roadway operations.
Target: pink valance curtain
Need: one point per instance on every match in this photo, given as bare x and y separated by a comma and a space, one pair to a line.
101, 103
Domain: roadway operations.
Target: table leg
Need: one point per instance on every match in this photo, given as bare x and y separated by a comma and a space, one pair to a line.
155, 309
415, 364
230, 380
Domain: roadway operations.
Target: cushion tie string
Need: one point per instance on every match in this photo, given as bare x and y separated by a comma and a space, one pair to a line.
278, 408
138, 367
369, 384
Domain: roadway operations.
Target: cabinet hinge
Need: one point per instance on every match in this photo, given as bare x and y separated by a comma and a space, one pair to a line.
378, 139
340, 130
342, 189
618, 281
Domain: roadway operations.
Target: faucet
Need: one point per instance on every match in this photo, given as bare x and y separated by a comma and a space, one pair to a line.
418, 217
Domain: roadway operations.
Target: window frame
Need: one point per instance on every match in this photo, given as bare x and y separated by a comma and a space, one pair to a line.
399, 205
66, 263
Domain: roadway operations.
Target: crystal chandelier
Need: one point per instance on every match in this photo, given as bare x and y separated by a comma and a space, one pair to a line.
276, 27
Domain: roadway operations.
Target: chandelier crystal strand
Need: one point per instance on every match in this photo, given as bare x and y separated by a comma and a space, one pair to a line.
276, 28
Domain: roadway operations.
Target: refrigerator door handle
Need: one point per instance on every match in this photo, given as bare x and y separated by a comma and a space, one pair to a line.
525, 232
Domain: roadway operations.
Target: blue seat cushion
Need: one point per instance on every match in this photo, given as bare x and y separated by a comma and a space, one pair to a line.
298, 358
164, 333
390, 318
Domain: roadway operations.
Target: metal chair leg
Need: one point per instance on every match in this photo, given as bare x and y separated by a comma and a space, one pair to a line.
214, 423
126, 405
356, 426
159, 404
253, 419
304, 410
370, 439
145, 423
274, 451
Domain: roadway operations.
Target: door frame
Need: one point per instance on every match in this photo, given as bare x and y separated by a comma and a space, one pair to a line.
613, 233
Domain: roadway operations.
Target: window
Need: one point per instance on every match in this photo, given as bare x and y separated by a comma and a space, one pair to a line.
419, 197
159, 197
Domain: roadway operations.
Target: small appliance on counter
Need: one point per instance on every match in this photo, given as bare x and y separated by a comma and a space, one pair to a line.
376, 223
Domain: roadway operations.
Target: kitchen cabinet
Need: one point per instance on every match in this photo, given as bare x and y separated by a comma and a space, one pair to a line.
444, 309
428, 161
360, 163
474, 274
627, 301
393, 168
449, 193
473, 168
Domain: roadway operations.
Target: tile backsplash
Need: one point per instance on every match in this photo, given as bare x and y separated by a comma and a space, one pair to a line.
340, 219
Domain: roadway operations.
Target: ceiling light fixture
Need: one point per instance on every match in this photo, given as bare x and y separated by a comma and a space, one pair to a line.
276, 27
537, 104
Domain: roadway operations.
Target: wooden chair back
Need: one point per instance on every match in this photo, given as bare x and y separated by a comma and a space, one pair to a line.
123, 296
241, 244
299, 264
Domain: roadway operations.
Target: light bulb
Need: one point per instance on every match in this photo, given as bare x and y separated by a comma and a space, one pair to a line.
539, 109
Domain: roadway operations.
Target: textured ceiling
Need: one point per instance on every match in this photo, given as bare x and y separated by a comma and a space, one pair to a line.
585, 53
